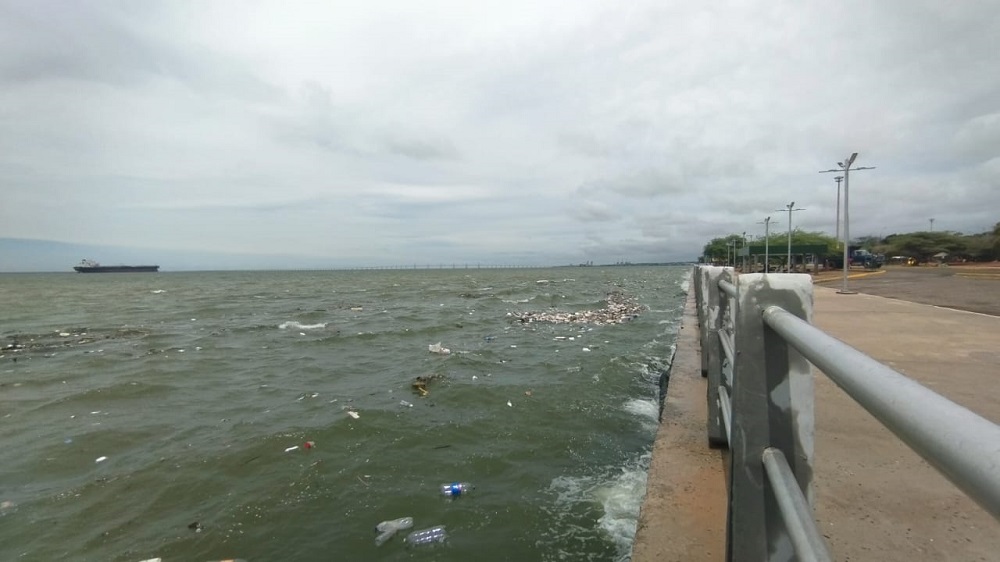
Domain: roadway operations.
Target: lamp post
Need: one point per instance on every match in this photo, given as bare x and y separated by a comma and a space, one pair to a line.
743, 252
838, 179
789, 208
845, 166
767, 248
932, 224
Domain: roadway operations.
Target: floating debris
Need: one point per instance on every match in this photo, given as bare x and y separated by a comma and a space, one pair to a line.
420, 384
618, 309
387, 529
353, 414
436, 348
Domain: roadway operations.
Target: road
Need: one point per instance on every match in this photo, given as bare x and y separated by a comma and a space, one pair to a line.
972, 288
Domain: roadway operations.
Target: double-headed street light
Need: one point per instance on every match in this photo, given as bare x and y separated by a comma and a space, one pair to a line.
789, 208
845, 166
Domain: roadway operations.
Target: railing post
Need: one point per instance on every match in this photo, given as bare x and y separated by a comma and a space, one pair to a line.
772, 401
698, 280
715, 306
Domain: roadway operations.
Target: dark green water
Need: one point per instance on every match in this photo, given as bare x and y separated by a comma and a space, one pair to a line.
192, 385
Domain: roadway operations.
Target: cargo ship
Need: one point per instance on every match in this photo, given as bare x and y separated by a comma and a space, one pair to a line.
90, 266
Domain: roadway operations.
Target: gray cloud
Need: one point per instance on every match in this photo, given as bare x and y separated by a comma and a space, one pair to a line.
461, 131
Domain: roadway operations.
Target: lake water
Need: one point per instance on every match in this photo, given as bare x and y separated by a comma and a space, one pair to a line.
168, 414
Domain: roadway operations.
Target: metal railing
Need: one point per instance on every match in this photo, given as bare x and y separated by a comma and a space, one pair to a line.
757, 345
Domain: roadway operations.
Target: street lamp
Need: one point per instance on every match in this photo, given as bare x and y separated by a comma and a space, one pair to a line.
845, 166
789, 208
838, 179
767, 248
743, 252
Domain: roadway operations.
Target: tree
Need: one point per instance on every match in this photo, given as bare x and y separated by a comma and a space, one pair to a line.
925, 245
719, 249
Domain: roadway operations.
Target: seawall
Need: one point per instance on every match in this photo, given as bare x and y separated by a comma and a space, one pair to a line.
684, 514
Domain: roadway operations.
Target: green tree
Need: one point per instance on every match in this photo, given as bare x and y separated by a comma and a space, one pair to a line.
718, 249
925, 245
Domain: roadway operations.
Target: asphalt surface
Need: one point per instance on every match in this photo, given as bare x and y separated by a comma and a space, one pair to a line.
971, 288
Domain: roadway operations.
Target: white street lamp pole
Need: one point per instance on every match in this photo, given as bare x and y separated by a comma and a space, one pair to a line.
838, 179
846, 167
767, 248
743, 252
789, 208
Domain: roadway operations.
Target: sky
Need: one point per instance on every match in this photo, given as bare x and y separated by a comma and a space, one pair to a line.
489, 132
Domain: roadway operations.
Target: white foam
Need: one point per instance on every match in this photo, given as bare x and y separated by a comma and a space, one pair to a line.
622, 498
620, 495
292, 325
647, 412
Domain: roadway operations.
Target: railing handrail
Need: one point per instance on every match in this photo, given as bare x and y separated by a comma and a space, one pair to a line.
962, 445
759, 347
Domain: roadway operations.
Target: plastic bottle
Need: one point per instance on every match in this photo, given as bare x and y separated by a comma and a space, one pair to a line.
387, 529
456, 489
431, 535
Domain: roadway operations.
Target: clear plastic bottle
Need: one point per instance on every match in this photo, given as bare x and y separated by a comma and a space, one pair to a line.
456, 489
387, 529
430, 535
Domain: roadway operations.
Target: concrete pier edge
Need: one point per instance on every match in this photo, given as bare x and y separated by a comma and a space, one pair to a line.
683, 516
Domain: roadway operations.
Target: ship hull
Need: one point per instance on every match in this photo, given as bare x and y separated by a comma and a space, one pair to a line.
117, 269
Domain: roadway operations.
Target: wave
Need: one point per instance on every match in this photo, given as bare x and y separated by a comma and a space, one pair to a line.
685, 283
292, 325
619, 494
645, 409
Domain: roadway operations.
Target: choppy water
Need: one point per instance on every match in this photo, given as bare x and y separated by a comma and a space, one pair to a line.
189, 387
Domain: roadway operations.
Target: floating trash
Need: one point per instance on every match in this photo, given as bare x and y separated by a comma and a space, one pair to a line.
387, 529
420, 384
353, 414
619, 308
456, 489
431, 535
100, 459
436, 348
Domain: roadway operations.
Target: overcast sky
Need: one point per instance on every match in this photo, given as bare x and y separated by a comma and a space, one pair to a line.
523, 132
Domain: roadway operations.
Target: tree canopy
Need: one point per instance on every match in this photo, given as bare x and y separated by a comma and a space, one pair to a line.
922, 245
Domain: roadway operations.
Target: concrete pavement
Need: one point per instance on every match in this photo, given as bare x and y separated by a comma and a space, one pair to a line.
875, 498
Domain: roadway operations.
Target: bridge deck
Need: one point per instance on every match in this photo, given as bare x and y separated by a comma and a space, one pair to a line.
875, 499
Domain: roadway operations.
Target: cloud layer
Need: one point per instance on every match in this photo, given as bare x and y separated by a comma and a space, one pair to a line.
377, 133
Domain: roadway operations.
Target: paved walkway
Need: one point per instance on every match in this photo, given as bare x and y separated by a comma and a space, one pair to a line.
875, 499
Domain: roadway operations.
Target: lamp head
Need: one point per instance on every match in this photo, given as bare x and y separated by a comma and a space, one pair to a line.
851, 159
